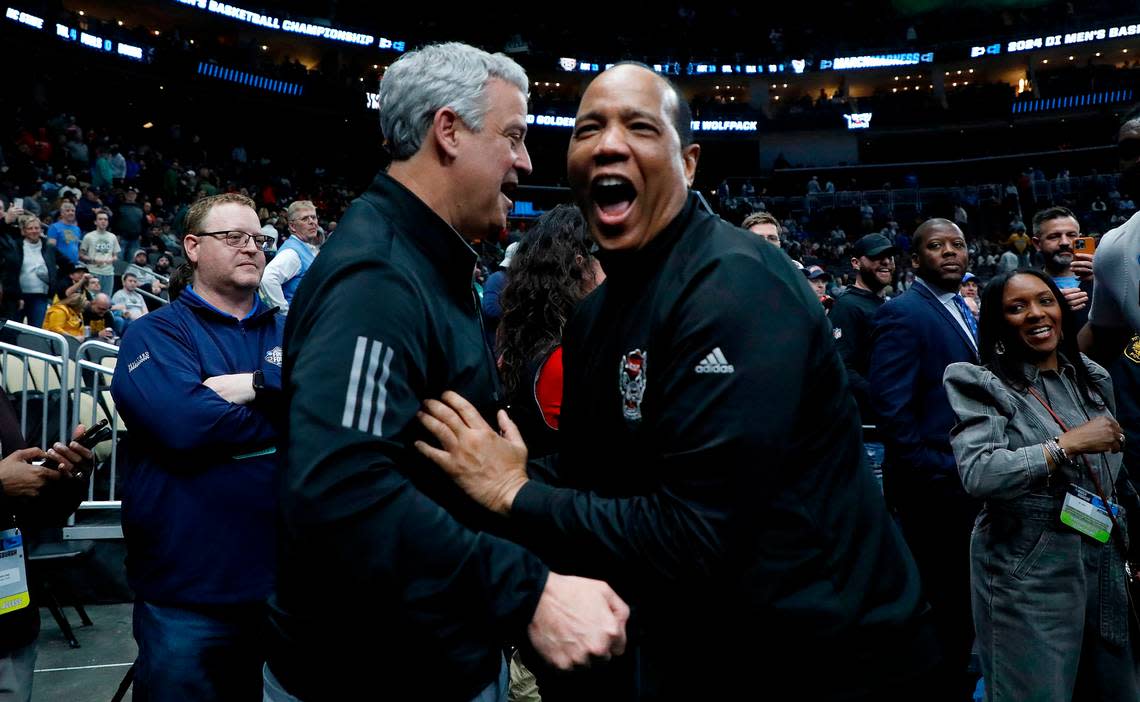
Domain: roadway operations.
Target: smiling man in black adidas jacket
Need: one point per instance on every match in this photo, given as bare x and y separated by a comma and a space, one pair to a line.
710, 448
377, 542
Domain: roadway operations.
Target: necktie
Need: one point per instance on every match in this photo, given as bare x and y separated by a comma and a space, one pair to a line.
968, 316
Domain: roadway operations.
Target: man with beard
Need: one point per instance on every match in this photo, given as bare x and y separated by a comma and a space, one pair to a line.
916, 336
1054, 230
874, 264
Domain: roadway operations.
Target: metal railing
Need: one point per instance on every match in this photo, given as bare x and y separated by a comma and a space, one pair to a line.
91, 403
152, 296
49, 372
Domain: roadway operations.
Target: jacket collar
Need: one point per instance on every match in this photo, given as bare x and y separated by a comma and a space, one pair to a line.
199, 305
1064, 367
928, 293
856, 290
632, 265
427, 231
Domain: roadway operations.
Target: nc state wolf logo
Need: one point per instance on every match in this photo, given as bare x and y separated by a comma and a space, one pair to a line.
631, 381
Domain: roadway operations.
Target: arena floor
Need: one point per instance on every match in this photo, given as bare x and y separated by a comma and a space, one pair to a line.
92, 672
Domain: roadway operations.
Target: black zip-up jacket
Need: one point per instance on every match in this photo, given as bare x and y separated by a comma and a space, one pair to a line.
851, 325
721, 484
389, 584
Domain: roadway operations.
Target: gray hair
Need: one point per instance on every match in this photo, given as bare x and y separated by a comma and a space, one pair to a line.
421, 82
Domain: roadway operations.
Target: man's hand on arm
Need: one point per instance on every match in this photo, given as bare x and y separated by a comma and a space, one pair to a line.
489, 466
236, 388
578, 621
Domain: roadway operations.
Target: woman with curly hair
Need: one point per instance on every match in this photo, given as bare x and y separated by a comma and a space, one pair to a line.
550, 272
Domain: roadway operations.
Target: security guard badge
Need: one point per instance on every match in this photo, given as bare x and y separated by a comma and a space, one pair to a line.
631, 382
1132, 351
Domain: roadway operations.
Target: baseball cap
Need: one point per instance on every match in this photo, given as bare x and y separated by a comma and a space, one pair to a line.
815, 273
79, 267
509, 255
874, 246
968, 277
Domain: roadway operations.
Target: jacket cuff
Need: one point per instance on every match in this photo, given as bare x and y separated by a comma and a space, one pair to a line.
1036, 467
532, 502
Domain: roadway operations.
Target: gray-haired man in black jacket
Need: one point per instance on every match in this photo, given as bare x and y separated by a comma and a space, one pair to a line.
376, 539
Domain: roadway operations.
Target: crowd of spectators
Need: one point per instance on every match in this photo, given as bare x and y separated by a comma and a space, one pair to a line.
113, 207
821, 232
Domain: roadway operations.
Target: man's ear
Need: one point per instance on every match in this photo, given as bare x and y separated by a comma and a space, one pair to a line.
190, 246
445, 127
691, 154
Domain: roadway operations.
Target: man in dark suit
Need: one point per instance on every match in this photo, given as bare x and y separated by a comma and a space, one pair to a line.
915, 337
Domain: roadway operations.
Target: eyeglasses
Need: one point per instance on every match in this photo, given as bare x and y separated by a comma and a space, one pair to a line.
238, 239
306, 218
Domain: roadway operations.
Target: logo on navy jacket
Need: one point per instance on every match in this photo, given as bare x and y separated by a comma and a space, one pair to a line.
631, 381
273, 356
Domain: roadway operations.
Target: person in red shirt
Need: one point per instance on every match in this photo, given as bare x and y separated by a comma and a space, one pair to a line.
552, 269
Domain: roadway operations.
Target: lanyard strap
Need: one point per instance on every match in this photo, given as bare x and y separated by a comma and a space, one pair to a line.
1092, 473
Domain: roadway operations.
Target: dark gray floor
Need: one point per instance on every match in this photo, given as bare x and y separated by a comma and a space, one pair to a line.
92, 672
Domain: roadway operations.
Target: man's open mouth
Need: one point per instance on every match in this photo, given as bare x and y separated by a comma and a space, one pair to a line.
508, 189
613, 195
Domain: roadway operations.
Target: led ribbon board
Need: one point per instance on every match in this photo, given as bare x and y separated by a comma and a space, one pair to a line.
1049, 41
674, 68
372, 102
1071, 101
319, 31
24, 18
250, 79
92, 41
845, 63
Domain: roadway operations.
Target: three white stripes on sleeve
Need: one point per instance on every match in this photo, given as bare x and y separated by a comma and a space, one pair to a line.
366, 413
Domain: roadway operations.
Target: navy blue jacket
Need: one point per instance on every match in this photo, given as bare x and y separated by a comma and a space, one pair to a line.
914, 338
199, 492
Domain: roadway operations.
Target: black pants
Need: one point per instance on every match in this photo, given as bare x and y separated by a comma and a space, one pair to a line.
938, 529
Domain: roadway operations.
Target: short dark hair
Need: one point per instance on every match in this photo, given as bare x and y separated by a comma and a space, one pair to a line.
760, 217
682, 115
1050, 213
932, 224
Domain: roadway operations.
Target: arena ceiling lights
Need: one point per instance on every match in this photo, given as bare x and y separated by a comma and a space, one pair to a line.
318, 31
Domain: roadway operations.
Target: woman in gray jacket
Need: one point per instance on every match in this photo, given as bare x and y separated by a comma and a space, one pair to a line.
1037, 441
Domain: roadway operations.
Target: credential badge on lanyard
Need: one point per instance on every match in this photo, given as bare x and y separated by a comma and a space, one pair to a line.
13, 573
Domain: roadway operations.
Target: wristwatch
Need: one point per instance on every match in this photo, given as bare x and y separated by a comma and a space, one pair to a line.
258, 381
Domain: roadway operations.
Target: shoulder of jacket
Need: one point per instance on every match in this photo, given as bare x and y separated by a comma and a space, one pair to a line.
979, 383
1097, 372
